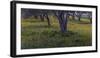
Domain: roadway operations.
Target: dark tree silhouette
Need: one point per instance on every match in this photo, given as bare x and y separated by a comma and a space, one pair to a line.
48, 20
79, 15
44, 15
90, 16
62, 17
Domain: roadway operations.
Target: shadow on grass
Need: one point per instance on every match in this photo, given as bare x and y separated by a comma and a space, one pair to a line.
58, 33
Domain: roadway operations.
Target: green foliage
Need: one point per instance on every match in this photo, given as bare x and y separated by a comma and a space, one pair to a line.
37, 34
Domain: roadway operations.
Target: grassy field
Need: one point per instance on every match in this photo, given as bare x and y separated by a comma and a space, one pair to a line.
37, 34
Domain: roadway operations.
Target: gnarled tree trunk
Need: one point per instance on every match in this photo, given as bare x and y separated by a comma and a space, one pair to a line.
62, 17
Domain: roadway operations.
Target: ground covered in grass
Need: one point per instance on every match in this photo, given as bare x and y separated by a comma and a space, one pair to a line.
37, 34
